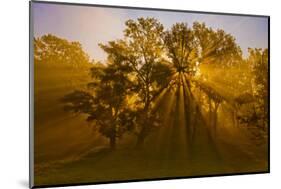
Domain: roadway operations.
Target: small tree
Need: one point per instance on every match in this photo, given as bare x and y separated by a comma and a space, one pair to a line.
105, 103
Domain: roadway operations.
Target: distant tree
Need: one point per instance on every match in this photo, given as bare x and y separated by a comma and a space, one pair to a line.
105, 102
258, 60
55, 50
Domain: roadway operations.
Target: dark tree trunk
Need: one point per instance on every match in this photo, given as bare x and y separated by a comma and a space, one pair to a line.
112, 141
235, 114
147, 97
188, 112
143, 132
210, 112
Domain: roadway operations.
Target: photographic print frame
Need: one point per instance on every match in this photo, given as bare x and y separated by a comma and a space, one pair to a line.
33, 110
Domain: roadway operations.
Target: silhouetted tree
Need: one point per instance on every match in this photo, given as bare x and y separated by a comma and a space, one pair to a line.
142, 51
105, 103
181, 48
256, 118
216, 46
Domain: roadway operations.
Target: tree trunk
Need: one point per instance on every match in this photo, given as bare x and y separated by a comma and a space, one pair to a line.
143, 132
147, 97
210, 113
112, 141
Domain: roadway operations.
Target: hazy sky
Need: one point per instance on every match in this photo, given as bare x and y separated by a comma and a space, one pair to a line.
93, 25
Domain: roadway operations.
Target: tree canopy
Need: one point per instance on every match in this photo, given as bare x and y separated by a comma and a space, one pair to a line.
52, 49
148, 60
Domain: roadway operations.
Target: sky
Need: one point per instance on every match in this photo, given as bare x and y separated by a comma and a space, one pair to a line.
93, 25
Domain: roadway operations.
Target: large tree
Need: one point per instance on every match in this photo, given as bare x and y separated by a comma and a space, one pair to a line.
190, 47
181, 48
215, 46
142, 51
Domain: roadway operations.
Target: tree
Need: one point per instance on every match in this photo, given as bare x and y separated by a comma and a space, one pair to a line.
142, 51
181, 48
188, 48
60, 66
55, 50
258, 61
215, 46
105, 102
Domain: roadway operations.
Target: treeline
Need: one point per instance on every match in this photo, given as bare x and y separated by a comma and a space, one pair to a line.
121, 95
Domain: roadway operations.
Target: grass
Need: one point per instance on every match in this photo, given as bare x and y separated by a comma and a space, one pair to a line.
68, 151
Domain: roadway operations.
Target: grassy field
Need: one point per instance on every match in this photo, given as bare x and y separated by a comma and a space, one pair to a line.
68, 151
